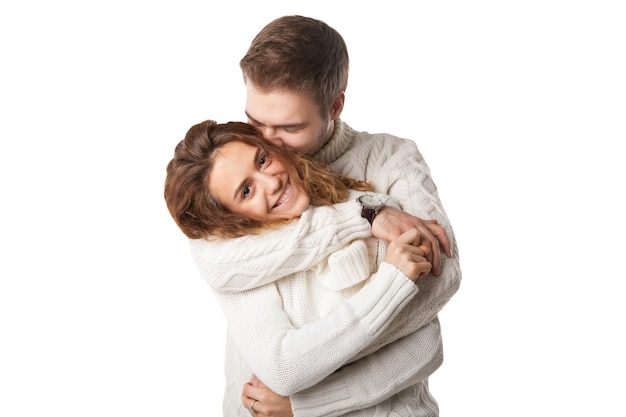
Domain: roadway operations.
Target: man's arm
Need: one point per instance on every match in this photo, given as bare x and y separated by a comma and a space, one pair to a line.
399, 170
396, 168
409, 182
407, 178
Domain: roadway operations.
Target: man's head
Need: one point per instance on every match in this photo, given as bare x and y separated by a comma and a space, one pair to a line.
296, 73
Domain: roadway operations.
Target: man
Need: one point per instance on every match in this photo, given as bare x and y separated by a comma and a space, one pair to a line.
296, 72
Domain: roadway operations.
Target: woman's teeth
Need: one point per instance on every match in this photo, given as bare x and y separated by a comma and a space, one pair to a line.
285, 196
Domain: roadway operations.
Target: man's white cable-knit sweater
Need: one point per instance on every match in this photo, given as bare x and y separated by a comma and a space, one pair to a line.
393, 376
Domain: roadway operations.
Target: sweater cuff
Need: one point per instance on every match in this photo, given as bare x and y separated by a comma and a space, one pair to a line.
352, 225
390, 284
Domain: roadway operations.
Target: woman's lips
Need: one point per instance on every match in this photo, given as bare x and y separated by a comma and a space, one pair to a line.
285, 196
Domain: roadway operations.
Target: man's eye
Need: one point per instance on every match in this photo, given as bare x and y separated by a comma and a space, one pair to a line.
263, 160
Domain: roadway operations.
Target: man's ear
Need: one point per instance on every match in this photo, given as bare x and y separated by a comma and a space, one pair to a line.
337, 106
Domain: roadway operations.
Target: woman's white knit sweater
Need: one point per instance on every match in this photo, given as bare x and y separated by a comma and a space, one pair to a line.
296, 332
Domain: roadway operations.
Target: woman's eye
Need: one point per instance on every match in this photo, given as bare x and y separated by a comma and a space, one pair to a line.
263, 160
246, 191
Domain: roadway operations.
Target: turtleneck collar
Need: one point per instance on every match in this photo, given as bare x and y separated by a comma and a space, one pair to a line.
338, 143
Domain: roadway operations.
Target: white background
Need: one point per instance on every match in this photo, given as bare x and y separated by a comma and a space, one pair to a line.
518, 107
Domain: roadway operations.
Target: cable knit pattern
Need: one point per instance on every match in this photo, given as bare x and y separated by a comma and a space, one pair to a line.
231, 265
397, 168
297, 343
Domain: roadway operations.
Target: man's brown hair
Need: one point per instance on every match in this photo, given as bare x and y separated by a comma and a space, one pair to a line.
300, 54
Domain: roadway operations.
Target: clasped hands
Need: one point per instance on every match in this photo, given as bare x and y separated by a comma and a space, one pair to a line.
414, 247
390, 223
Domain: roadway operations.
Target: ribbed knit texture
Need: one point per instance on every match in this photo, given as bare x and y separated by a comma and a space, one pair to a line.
278, 344
297, 331
395, 378
346, 267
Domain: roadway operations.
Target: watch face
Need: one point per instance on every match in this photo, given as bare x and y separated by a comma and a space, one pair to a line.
370, 200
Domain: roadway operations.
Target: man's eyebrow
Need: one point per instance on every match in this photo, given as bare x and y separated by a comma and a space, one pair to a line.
289, 125
237, 194
251, 118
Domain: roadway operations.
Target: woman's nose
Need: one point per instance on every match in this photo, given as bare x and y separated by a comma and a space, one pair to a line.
271, 183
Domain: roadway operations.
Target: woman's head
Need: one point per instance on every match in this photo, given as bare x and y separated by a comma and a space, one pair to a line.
226, 180
256, 182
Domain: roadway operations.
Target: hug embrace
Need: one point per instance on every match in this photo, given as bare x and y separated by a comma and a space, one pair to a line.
328, 249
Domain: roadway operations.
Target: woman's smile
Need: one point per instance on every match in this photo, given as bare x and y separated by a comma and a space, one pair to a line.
283, 198
255, 185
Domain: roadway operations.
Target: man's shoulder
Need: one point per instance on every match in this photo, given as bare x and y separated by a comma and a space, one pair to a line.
382, 141
386, 138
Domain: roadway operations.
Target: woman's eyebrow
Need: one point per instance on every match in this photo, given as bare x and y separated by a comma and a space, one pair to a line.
243, 183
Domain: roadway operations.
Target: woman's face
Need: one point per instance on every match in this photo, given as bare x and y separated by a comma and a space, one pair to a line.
250, 183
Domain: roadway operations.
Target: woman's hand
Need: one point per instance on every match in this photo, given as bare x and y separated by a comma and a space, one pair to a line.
390, 223
266, 402
405, 254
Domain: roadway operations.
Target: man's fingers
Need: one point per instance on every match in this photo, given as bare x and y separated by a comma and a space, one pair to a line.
440, 234
410, 237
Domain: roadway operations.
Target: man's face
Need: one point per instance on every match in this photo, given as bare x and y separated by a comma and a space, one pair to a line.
288, 119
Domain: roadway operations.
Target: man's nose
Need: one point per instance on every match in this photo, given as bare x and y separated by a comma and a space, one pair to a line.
271, 134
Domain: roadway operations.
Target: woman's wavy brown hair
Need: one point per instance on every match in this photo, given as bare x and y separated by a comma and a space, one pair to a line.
199, 214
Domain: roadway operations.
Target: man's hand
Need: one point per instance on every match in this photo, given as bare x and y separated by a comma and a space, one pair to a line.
266, 402
390, 223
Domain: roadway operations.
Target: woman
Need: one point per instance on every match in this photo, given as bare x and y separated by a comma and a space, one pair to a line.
225, 181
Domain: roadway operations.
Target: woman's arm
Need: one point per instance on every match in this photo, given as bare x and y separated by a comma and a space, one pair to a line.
376, 377
363, 384
419, 311
288, 359
232, 265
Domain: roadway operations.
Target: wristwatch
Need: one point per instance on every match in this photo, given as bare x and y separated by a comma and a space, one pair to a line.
370, 206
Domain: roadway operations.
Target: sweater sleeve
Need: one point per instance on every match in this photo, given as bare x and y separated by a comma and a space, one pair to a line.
401, 172
289, 359
232, 265
373, 379
418, 312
